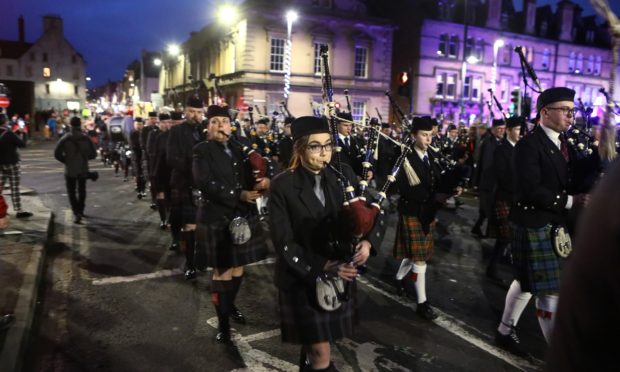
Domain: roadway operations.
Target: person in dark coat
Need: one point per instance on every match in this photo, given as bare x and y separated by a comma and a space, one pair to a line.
541, 202
74, 150
586, 320
388, 152
149, 127
159, 177
181, 141
285, 145
499, 225
229, 193
417, 207
487, 176
311, 241
136, 149
351, 147
9, 163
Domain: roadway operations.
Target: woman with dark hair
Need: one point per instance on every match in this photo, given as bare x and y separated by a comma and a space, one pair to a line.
229, 193
312, 241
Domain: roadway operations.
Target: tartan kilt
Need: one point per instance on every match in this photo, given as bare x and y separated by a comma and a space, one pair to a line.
303, 322
411, 242
182, 203
213, 242
537, 267
499, 225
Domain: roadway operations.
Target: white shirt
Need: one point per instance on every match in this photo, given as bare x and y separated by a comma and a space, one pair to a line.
422, 154
555, 138
512, 143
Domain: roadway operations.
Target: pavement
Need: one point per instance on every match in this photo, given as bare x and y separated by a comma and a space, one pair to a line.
22, 255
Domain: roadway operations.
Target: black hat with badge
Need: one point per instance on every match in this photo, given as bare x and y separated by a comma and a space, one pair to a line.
553, 95
138, 119
164, 116
216, 110
515, 121
175, 115
195, 102
422, 123
152, 114
385, 125
307, 125
498, 123
345, 116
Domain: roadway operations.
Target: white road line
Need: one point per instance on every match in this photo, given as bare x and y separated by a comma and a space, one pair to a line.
457, 328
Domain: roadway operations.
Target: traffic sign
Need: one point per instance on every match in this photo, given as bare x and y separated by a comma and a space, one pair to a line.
5, 102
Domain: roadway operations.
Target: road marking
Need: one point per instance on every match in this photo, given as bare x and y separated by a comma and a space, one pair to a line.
458, 328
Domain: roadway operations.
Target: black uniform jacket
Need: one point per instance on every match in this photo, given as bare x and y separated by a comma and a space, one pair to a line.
151, 145
305, 234
488, 178
134, 141
285, 151
388, 152
540, 181
502, 168
161, 171
352, 155
181, 141
221, 178
144, 136
419, 200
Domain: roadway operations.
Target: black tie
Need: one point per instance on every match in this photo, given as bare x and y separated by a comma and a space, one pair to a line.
346, 142
227, 149
426, 162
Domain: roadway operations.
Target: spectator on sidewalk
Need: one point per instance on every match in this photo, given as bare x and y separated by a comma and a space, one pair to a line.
74, 150
9, 163
8, 319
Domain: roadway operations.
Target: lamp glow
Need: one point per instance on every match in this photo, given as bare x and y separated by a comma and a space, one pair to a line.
499, 43
472, 60
174, 49
227, 13
157, 62
291, 16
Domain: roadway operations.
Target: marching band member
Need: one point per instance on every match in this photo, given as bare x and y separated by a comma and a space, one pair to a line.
229, 192
541, 180
308, 235
159, 172
352, 149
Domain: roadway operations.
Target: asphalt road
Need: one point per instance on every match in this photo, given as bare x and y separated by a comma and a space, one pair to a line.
114, 298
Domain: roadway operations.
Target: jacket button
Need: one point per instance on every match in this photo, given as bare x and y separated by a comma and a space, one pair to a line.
232, 192
295, 259
285, 248
308, 268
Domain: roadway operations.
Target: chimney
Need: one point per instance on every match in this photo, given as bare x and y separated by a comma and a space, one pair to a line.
52, 23
494, 14
20, 29
529, 11
565, 20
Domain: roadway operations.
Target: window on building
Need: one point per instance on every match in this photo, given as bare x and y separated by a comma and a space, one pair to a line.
276, 62
571, 61
443, 45
505, 83
361, 62
545, 59
476, 88
453, 46
579, 64
47, 72
506, 54
450, 86
76, 89
529, 54
446, 84
479, 50
74, 59
9, 70
32, 57
589, 36
47, 89
590, 66
586, 97
467, 87
358, 110
505, 17
446, 9
317, 57
28, 71
597, 65
544, 28
440, 84
44, 58
469, 47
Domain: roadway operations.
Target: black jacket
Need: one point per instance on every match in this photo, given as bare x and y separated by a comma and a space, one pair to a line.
9, 142
488, 179
151, 145
221, 179
181, 141
74, 150
419, 200
352, 155
502, 168
161, 171
305, 234
388, 152
540, 181
285, 151
144, 136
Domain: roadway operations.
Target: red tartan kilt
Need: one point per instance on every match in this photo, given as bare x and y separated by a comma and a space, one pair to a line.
411, 242
499, 224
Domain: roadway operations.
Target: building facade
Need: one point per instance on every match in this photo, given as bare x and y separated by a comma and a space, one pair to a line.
47, 74
246, 61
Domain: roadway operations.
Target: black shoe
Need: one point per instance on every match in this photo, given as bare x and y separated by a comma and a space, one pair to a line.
510, 343
6, 321
77, 219
139, 195
190, 274
153, 206
223, 338
476, 231
174, 247
163, 225
23, 214
426, 311
237, 315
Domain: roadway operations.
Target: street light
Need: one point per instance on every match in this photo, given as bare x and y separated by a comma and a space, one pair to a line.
291, 16
88, 78
227, 13
174, 50
157, 62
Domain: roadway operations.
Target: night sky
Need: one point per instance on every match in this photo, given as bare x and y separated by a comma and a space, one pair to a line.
111, 33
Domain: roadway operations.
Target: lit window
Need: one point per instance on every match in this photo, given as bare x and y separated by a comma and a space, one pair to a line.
277, 55
361, 62
47, 72
443, 44
317, 57
545, 59
469, 47
597, 65
451, 86
579, 64
571, 62
440, 84
358, 110
453, 46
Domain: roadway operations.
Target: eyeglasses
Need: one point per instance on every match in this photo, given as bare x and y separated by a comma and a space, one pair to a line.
565, 110
316, 148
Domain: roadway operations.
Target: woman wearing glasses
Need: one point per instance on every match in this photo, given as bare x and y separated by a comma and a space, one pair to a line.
311, 240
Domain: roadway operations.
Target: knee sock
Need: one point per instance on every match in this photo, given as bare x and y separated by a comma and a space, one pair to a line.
189, 238
516, 301
221, 291
546, 307
236, 282
161, 208
419, 278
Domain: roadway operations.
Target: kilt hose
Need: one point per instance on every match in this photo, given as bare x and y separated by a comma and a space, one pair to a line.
11, 173
499, 225
411, 241
537, 267
303, 322
214, 245
182, 205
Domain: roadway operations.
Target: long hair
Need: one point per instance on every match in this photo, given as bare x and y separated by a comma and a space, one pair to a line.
299, 147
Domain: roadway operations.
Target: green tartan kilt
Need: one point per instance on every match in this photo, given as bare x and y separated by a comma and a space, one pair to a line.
537, 267
411, 241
